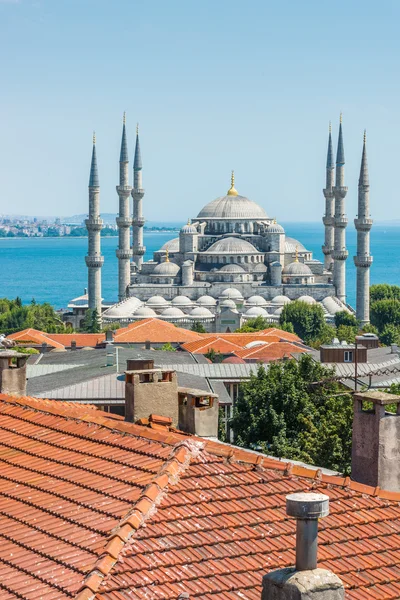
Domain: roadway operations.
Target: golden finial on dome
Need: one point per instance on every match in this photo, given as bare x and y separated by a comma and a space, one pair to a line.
94, 138
167, 256
189, 221
341, 118
124, 118
297, 254
232, 191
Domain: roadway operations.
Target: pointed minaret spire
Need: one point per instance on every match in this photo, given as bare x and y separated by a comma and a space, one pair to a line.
328, 219
124, 222
138, 248
94, 175
340, 252
94, 260
363, 224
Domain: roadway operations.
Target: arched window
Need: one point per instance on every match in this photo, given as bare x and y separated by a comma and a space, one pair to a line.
232, 259
239, 259
246, 259
252, 259
224, 259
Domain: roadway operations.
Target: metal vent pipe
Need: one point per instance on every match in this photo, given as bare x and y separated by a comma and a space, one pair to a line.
307, 508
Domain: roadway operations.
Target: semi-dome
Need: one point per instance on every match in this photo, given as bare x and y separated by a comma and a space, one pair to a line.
181, 301
166, 269
256, 311
201, 311
232, 293
206, 301
275, 228
307, 299
232, 245
172, 311
278, 311
280, 300
227, 303
144, 312
171, 246
232, 268
256, 301
291, 245
297, 268
156, 301
124, 309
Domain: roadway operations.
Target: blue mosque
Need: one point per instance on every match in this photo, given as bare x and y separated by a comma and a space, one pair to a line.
231, 261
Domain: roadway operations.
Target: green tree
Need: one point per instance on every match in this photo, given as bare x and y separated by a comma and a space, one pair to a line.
214, 356
308, 320
347, 333
198, 327
368, 328
168, 347
345, 318
285, 412
95, 326
87, 320
260, 323
390, 334
384, 291
385, 312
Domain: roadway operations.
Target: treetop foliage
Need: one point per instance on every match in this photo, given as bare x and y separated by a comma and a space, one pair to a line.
14, 316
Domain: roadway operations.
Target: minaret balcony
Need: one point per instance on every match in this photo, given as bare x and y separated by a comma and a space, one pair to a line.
123, 221
94, 261
139, 221
340, 254
340, 191
138, 250
328, 221
328, 193
363, 224
94, 224
137, 193
363, 261
124, 190
341, 221
123, 253
327, 249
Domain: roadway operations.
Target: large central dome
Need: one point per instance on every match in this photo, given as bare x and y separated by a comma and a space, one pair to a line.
232, 206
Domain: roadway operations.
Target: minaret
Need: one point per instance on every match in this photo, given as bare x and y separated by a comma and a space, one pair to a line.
340, 253
363, 224
137, 194
124, 252
94, 259
328, 219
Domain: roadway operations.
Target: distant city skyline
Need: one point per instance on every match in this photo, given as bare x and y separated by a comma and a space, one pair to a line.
214, 86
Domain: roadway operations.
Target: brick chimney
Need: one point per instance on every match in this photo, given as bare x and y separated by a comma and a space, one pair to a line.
150, 391
375, 456
305, 581
13, 373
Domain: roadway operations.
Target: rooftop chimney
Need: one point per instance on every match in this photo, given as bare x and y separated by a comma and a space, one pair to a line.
13, 373
375, 456
306, 581
73, 344
148, 391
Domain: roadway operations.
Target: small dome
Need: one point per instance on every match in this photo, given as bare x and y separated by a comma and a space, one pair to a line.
278, 311
297, 268
256, 301
123, 309
144, 312
181, 301
233, 360
227, 303
189, 228
260, 268
156, 301
171, 246
256, 311
206, 301
256, 343
331, 305
231, 293
291, 245
280, 300
201, 311
307, 299
166, 268
172, 311
275, 228
231, 269
231, 245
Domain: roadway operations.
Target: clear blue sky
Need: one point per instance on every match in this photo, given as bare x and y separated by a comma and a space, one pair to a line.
215, 85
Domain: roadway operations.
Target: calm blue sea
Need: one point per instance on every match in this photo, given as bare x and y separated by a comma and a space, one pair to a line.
53, 269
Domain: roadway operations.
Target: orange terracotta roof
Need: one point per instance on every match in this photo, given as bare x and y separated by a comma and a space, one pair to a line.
217, 343
269, 352
34, 336
93, 507
155, 331
81, 339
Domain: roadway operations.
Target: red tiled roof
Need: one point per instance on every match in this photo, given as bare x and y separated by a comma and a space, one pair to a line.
77, 488
217, 343
34, 336
82, 339
155, 331
269, 352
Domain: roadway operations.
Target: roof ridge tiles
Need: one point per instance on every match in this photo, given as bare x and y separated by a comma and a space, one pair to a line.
144, 508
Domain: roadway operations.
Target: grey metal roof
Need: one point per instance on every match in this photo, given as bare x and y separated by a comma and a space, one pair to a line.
364, 369
40, 370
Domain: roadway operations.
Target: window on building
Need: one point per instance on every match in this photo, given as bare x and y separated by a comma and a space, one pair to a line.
348, 356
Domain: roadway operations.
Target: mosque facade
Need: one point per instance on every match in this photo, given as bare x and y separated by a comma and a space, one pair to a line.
231, 261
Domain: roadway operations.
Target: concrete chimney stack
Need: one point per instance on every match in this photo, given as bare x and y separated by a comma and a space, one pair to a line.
375, 456
306, 581
13, 373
